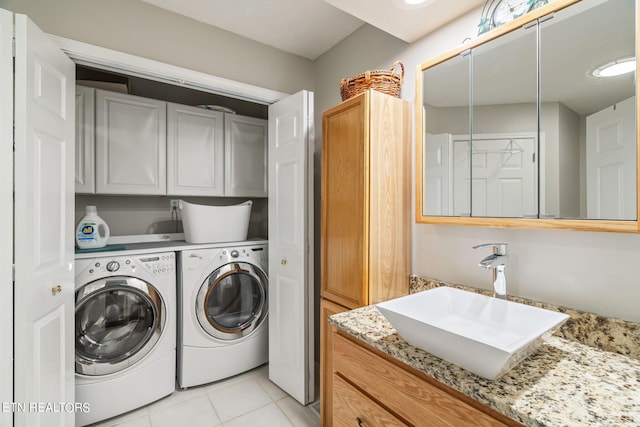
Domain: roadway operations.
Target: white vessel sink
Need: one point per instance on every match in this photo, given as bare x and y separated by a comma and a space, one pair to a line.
485, 335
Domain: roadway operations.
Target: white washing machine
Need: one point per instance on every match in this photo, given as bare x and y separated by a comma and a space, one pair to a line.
125, 332
223, 304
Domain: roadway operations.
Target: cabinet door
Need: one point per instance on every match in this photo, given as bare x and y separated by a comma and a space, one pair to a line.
366, 200
245, 156
327, 308
85, 139
130, 144
345, 216
414, 399
353, 408
195, 150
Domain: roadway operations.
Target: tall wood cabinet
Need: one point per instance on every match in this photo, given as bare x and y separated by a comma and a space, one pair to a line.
366, 207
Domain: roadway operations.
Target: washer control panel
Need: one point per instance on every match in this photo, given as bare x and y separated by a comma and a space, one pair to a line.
113, 266
159, 264
156, 264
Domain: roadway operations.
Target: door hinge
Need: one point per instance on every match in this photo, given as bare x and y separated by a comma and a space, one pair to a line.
547, 17
13, 272
13, 47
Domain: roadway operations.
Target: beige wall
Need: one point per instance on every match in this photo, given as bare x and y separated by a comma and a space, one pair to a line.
591, 271
135, 27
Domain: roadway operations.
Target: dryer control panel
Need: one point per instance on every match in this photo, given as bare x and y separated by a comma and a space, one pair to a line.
247, 253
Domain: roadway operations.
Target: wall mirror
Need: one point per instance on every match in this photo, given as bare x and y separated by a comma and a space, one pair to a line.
521, 128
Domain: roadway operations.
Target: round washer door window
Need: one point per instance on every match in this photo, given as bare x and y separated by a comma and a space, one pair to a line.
232, 301
118, 321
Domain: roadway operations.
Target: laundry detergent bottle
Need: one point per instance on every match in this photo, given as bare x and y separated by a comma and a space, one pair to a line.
92, 231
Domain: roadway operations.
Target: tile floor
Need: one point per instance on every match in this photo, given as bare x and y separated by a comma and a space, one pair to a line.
245, 400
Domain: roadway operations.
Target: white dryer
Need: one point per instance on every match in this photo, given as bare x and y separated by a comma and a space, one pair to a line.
223, 304
125, 332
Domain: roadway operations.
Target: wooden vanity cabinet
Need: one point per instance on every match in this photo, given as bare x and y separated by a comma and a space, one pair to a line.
372, 389
327, 308
366, 219
351, 408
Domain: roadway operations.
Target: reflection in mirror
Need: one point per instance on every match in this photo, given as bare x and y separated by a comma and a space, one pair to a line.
445, 112
504, 141
563, 148
588, 123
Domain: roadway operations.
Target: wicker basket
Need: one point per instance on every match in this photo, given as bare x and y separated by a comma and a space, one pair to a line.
380, 80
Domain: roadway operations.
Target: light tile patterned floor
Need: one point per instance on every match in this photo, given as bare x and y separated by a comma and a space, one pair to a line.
245, 400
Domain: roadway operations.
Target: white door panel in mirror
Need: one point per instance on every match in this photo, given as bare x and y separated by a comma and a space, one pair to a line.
446, 113
573, 44
504, 122
503, 98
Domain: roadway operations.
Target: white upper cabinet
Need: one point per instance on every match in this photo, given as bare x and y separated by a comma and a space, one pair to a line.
245, 156
130, 144
127, 144
85, 140
195, 151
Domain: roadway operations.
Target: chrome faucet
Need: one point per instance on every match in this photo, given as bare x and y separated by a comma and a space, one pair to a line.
497, 263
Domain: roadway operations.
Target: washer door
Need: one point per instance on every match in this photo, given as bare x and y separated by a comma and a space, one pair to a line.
118, 321
232, 301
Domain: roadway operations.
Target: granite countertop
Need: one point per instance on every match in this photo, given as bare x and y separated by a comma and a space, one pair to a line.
565, 383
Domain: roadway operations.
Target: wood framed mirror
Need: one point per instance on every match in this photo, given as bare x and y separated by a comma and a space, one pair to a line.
519, 128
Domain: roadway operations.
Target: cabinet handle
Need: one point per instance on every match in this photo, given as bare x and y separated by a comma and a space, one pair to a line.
56, 290
283, 262
360, 423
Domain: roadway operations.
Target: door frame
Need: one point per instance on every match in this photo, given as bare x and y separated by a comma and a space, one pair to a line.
111, 60
107, 59
6, 215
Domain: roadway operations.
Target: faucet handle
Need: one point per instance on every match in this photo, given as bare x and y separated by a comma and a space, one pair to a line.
498, 248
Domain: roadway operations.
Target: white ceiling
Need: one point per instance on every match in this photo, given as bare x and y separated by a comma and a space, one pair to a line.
309, 28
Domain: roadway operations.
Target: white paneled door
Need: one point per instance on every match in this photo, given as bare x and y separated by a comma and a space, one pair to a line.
6, 214
611, 162
437, 171
44, 85
291, 332
504, 175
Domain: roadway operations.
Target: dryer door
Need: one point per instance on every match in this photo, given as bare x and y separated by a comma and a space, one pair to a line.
232, 301
118, 321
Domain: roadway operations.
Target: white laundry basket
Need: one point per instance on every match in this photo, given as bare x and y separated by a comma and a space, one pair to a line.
212, 224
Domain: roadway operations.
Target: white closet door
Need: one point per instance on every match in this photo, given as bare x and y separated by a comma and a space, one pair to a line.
43, 236
6, 214
291, 331
195, 151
